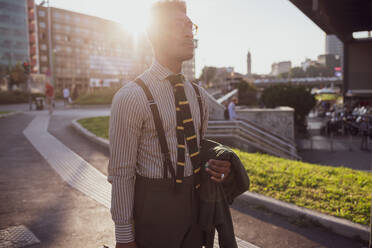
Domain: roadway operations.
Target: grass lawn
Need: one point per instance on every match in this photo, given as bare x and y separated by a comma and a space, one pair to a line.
5, 112
336, 191
99, 96
97, 125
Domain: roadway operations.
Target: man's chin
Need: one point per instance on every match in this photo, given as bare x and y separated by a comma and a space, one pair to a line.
188, 56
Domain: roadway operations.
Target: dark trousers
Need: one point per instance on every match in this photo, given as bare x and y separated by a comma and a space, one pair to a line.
163, 217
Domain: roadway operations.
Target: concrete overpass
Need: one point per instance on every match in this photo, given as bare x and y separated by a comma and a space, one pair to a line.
344, 18
312, 82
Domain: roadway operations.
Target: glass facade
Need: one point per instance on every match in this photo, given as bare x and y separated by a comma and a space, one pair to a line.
13, 32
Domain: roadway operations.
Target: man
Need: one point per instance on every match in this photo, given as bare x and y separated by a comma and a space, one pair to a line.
145, 207
66, 95
364, 132
231, 108
49, 93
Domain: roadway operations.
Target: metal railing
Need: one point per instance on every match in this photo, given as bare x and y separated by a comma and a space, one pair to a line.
252, 136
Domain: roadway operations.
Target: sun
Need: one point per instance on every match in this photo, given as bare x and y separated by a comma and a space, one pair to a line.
135, 15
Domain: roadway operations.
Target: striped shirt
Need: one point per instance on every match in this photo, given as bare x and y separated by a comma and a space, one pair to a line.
134, 144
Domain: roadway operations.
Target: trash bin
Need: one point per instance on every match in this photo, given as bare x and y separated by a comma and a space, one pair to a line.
39, 102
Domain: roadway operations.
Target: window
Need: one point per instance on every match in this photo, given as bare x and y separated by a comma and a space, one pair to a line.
57, 37
41, 13
44, 69
43, 58
69, 49
57, 15
42, 24
57, 26
67, 17
42, 36
67, 29
43, 47
77, 30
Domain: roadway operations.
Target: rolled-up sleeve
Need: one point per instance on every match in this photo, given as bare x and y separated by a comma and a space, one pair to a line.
124, 134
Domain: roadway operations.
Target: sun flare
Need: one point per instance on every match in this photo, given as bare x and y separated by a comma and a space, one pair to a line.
135, 15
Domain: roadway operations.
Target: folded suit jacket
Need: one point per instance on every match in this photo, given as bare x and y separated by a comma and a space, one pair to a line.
215, 198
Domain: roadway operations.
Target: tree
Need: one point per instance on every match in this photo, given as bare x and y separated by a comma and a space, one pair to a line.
17, 76
297, 72
284, 75
318, 71
247, 93
208, 74
295, 96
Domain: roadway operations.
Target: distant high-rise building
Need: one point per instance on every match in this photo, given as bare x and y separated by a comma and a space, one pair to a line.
249, 64
188, 67
334, 46
280, 67
13, 32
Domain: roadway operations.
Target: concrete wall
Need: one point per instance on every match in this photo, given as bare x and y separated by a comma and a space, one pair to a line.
215, 109
279, 121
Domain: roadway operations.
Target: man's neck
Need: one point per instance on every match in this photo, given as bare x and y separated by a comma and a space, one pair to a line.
173, 66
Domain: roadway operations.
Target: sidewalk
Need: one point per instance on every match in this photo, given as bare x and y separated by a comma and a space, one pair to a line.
260, 227
346, 152
32, 194
67, 218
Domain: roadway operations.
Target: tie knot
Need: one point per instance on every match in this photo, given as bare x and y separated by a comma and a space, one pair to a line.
176, 79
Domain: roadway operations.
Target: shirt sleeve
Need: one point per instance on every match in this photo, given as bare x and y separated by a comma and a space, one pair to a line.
205, 102
124, 134
232, 113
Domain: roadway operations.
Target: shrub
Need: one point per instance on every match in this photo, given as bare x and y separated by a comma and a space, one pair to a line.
14, 97
98, 96
247, 93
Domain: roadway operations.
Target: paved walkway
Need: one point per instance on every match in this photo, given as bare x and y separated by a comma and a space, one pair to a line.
344, 151
34, 195
72, 168
262, 228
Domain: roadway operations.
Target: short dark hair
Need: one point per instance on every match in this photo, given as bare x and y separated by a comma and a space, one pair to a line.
160, 10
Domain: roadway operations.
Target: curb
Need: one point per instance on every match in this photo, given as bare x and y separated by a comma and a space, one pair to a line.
91, 136
337, 225
10, 114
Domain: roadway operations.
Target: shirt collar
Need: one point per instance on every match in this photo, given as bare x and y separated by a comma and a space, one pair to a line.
160, 71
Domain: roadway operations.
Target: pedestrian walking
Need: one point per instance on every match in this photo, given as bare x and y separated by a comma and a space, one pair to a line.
66, 96
151, 157
231, 108
364, 127
49, 94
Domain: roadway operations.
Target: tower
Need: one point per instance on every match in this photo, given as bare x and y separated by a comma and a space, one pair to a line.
249, 64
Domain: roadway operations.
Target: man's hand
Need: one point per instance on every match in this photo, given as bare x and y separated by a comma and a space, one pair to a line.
127, 245
218, 169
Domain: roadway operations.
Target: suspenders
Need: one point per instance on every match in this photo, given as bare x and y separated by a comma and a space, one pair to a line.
159, 126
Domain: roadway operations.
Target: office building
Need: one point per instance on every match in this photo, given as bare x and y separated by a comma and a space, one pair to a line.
13, 32
280, 67
86, 51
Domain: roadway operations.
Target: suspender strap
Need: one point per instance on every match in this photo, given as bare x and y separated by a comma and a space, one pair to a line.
200, 108
159, 128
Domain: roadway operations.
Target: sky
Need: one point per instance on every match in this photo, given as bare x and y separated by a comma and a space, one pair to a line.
272, 30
